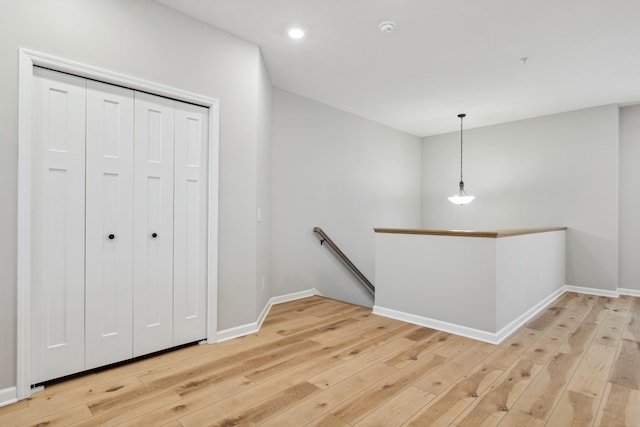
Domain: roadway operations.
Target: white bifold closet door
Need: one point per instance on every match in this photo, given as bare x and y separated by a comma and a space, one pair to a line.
109, 224
190, 222
153, 222
119, 234
170, 223
58, 203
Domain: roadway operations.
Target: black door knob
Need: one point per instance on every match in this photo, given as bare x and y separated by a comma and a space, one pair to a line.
112, 236
154, 235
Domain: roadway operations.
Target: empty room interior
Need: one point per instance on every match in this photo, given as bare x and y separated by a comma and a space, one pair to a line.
320, 213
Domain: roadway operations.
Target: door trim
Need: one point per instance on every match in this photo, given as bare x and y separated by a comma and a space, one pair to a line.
27, 60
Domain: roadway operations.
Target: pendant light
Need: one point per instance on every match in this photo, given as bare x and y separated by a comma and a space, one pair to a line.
461, 198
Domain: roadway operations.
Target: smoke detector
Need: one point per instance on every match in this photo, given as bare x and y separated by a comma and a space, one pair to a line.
387, 27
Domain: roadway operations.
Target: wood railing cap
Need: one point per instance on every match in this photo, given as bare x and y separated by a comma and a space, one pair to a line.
470, 233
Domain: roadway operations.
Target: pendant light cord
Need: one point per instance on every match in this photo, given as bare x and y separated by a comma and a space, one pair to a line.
461, 118
461, 198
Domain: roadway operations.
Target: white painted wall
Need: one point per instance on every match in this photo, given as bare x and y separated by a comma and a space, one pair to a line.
558, 170
530, 268
485, 284
342, 173
263, 184
145, 40
446, 278
629, 242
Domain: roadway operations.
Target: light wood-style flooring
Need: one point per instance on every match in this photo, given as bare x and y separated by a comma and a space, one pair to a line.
320, 362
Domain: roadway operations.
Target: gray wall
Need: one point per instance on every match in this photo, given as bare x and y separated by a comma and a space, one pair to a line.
629, 243
264, 191
145, 40
558, 170
342, 173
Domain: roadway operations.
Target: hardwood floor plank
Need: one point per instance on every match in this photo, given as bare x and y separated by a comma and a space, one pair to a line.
574, 409
632, 328
626, 368
375, 339
580, 338
285, 323
611, 329
195, 402
559, 332
451, 371
620, 408
319, 404
327, 421
300, 307
541, 396
142, 365
270, 407
366, 402
622, 304
329, 324
520, 419
222, 360
444, 409
132, 409
512, 349
196, 377
398, 409
338, 373
341, 347
60, 417
592, 373
234, 351
14, 407
59, 396
547, 345
302, 331
494, 404
367, 320
239, 390
420, 349
422, 334
234, 402
547, 317
318, 361
64, 417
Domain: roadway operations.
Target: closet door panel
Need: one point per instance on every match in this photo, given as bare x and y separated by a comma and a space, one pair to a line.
153, 224
109, 226
57, 288
190, 223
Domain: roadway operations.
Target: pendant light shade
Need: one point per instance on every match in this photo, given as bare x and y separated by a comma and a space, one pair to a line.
462, 198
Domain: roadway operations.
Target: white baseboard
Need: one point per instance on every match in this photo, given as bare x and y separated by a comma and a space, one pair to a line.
465, 331
254, 327
629, 292
501, 335
285, 298
8, 396
452, 328
510, 328
294, 296
237, 332
591, 291
603, 292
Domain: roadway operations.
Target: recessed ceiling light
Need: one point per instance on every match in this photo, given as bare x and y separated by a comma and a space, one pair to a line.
296, 33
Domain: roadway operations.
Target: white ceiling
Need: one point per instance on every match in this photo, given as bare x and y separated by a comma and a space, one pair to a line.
445, 56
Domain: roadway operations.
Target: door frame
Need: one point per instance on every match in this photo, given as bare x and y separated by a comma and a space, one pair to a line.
29, 59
